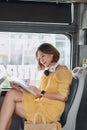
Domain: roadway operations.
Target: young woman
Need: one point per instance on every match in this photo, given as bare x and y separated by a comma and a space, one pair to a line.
50, 95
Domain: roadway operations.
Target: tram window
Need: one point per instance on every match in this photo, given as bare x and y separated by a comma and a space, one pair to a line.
17, 52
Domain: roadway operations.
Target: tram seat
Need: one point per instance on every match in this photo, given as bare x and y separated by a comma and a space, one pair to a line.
68, 118
69, 102
71, 114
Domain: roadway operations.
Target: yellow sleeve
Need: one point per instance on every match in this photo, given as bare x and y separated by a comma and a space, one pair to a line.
63, 79
41, 82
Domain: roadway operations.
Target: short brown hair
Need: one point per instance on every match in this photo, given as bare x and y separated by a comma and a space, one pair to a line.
47, 49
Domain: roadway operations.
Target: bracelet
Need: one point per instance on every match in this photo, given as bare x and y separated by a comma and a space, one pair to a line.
43, 92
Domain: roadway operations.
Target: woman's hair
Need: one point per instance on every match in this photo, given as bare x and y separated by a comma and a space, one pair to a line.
47, 49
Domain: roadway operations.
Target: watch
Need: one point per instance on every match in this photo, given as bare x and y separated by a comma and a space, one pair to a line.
43, 92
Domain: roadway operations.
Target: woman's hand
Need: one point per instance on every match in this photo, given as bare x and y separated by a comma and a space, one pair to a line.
15, 86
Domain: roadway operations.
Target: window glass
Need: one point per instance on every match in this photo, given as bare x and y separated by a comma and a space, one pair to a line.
17, 53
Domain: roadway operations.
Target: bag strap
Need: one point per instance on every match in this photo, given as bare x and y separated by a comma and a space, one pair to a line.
42, 117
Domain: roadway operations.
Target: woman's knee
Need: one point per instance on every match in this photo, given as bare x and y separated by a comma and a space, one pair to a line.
14, 95
11, 93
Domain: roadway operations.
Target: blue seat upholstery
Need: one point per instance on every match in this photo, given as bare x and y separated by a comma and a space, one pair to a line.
69, 102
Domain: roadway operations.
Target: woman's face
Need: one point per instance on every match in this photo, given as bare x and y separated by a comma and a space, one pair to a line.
45, 59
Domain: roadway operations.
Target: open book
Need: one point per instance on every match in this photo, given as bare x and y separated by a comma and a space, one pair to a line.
22, 84
4, 81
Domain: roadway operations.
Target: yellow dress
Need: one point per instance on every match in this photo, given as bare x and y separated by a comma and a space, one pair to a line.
60, 81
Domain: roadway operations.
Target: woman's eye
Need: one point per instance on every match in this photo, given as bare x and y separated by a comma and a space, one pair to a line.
42, 56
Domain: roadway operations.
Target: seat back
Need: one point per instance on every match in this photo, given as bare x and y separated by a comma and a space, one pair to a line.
69, 102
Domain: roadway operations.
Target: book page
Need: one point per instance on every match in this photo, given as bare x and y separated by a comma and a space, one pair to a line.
22, 84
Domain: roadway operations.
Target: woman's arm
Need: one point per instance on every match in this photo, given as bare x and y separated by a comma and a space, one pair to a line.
50, 95
54, 96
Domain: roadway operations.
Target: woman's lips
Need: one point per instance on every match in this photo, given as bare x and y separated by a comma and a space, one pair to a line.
44, 63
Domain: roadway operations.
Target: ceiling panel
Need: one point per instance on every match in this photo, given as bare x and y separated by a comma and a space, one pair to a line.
54, 1
57, 1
